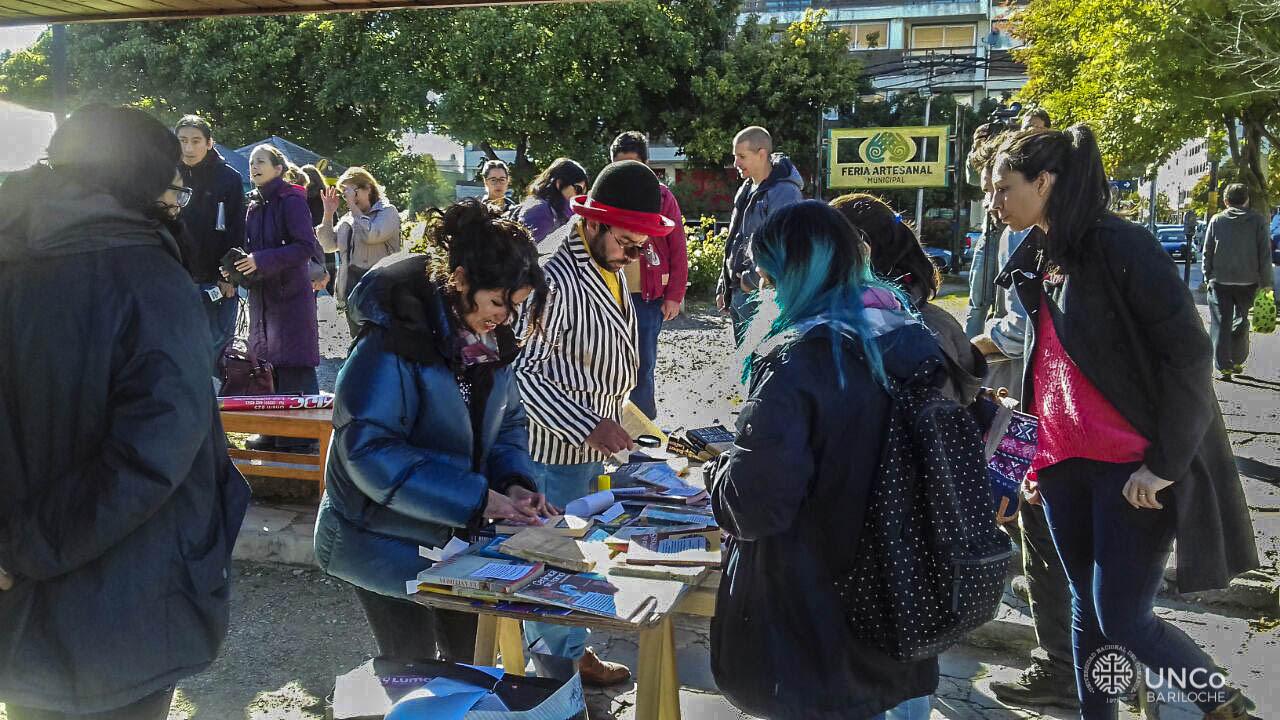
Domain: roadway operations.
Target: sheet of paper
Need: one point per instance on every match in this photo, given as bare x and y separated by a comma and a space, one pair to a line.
501, 571
453, 547
683, 492
589, 505
612, 513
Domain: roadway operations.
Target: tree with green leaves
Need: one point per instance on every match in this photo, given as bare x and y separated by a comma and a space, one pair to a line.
1149, 75
781, 77
564, 79
323, 81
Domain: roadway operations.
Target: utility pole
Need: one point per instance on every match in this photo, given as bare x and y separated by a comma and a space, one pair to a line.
1151, 209
928, 105
957, 233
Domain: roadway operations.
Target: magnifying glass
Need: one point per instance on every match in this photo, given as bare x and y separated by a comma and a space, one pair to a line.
648, 441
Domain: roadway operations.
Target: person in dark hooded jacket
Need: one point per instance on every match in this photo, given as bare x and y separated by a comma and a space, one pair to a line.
120, 505
792, 493
770, 183
430, 435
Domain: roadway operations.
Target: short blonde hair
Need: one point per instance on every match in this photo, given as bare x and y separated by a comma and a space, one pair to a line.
362, 178
756, 138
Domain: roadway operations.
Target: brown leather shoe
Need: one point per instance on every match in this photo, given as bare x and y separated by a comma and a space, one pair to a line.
600, 673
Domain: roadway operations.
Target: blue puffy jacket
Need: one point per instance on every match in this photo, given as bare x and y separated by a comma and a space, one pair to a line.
404, 467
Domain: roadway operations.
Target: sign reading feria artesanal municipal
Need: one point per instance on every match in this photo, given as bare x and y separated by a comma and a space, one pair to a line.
900, 157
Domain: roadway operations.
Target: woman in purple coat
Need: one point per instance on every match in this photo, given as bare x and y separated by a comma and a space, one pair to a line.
547, 205
282, 306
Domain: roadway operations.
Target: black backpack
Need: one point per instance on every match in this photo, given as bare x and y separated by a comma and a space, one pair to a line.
931, 564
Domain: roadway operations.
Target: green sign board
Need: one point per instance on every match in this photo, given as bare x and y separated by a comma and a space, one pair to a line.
902, 157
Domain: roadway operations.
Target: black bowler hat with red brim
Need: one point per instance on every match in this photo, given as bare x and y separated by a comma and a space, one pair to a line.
625, 194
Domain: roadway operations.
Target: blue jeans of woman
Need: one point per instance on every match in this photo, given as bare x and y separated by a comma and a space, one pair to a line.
648, 325
561, 484
1114, 555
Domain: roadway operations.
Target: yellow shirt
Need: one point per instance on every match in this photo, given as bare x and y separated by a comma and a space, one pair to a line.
611, 280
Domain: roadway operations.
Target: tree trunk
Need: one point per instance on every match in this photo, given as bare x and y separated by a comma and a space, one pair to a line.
1255, 174
522, 171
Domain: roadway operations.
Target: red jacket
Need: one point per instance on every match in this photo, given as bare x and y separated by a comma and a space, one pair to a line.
667, 279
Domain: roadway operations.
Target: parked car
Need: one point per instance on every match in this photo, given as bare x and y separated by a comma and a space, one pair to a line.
1174, 242
941, 258
971, 238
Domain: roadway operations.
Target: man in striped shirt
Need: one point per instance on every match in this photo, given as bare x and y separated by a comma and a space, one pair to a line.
575, 375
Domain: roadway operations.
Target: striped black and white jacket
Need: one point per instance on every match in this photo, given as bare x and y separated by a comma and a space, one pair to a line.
580, 369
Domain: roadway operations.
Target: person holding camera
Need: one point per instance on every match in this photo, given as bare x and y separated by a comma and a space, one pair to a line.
368, 232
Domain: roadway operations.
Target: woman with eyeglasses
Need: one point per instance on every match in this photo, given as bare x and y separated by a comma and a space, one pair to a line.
281, 244
546, 207
497, 186
430, 434
120, 505
368, 232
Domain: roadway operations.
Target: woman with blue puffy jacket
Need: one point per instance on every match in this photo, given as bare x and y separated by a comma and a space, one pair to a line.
430, 435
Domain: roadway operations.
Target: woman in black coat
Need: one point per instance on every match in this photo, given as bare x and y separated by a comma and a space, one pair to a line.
118, 503
1132, 449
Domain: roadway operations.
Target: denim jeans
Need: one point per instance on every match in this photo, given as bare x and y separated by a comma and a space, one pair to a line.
1229, 323
222, 319
917, 708
648, 325
742, 307
1114, 555
561, 484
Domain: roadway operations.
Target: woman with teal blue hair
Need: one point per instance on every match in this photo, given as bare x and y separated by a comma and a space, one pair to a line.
792, 493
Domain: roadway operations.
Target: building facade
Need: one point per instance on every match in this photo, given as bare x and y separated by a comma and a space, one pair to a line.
947, 46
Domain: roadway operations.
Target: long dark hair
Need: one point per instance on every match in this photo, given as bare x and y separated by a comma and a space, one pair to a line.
495, 253
896, 254
550, 182
1080, 192
120, 150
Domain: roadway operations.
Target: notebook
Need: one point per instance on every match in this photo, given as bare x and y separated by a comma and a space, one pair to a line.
548, 547
469, 570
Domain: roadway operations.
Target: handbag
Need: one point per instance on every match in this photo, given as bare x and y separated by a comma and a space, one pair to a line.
1010, 448
240, 369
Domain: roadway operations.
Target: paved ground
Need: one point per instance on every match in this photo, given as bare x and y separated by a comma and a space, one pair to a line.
293, 629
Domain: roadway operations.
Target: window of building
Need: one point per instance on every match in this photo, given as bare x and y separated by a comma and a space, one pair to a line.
932, 37
868, 35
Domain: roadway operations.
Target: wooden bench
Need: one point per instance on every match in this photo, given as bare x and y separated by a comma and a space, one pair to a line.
307, 424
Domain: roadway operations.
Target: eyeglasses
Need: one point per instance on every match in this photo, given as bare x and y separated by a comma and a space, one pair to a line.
349, 189
184, 195
495, 178
580, 188
633, 249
